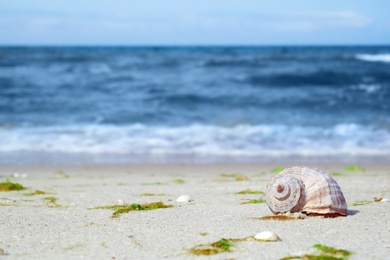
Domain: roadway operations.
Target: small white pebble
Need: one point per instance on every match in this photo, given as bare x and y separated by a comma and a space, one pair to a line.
19, 175
267, 236
184, 198
119, 202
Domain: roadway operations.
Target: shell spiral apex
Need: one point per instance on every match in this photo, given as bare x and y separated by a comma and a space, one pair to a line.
307, 190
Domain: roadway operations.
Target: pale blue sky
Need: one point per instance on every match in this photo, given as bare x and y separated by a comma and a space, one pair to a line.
196, 22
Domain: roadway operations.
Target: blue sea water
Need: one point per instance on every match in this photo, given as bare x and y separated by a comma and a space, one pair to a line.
202, 104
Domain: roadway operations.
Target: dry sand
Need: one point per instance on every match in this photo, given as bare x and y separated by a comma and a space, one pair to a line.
32, 227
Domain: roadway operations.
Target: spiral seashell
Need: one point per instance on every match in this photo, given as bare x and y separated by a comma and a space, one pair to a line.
307, 190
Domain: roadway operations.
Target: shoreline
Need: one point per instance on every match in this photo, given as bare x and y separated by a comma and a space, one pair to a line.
35, 227
101, 159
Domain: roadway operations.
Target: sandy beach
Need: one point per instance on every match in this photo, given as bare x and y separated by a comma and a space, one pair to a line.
57, 215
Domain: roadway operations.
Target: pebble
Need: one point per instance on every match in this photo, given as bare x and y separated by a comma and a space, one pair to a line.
120, 202
184, 198
267, 236
19, 175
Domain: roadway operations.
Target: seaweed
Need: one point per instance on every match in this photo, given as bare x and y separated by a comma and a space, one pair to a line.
291, 257
361, 202
223, 244
277, 169
179, 181
73, 246
2, 252
323, 253
236, 176
331, 250
248, 191
277, 217
254, 201
220, 246
152, 183
52, 200
337, 174
10, 186
122, 209
60, 173
241, 177
152, 194
354, 168
36, 192
260, 174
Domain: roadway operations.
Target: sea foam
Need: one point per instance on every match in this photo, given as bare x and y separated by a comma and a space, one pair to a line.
374, 57
200, 140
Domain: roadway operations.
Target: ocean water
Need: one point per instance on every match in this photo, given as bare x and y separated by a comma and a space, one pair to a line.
194, 104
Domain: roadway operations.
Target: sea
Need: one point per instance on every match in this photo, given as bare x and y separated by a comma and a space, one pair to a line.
202, 104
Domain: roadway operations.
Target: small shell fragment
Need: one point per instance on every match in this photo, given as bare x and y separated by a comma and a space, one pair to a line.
267, 236
19, 175
379, 199
184, 198
119, 202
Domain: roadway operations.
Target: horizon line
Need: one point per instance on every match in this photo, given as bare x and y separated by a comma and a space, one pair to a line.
191, 45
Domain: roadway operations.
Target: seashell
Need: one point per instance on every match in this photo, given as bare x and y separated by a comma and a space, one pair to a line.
19, 175
379, 199
184, 198
307, 190
267, 236
120, 202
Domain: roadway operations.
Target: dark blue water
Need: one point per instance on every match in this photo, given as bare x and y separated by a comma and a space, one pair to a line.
236, 102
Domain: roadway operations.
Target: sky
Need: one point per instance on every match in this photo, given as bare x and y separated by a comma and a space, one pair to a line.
195, 22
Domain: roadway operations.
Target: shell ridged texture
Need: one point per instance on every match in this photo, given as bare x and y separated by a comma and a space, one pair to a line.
304, 189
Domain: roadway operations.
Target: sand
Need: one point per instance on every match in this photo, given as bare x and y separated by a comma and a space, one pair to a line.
37, 227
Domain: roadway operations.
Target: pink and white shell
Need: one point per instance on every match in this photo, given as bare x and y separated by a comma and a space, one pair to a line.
307, 190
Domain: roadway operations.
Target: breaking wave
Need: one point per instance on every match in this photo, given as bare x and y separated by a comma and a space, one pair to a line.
374, 57
199, 140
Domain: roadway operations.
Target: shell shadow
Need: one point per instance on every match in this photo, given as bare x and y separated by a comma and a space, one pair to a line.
352, 212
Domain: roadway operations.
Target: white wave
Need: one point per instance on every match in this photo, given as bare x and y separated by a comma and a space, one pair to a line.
200, 140
99, 68
374, 57
369, 88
